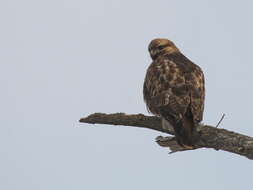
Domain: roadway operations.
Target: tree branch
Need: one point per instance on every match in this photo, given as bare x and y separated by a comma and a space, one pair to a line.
209, 137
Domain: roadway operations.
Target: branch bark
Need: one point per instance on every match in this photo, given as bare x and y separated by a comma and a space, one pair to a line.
209, 136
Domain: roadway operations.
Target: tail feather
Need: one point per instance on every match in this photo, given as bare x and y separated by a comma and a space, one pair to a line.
184, 131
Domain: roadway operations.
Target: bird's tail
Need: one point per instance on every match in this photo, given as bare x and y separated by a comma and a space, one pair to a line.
184, 132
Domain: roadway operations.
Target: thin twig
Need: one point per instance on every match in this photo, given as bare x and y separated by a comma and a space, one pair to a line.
222, 117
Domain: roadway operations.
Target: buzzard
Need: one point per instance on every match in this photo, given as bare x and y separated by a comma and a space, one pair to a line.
174, 90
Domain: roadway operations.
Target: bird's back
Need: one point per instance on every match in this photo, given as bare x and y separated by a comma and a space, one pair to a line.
174, 90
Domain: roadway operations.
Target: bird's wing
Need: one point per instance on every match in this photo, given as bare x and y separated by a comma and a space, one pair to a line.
194, 79
196, 83
165, 90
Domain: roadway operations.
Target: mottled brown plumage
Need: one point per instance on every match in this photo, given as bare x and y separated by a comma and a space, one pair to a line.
174, 89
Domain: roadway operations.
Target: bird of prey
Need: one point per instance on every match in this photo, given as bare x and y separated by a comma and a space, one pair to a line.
174, 90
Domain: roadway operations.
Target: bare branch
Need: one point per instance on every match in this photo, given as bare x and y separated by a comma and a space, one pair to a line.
209, 137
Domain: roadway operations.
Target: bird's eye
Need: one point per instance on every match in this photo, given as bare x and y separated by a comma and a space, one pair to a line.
161, 47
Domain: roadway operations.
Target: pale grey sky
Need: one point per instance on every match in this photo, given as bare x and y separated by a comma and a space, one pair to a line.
64, 59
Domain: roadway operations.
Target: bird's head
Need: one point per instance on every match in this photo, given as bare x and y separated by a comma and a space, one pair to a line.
159, 47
